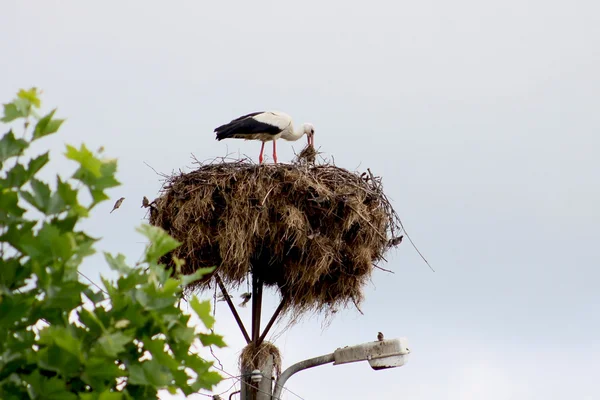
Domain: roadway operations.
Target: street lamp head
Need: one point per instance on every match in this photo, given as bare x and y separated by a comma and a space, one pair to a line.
390, 353
388, 362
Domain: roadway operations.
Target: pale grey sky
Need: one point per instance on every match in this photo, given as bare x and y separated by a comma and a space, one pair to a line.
482, 117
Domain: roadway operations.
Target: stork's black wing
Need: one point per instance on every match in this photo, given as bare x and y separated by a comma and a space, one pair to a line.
245, 126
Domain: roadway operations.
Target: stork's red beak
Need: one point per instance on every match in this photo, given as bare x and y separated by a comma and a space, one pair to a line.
311, 140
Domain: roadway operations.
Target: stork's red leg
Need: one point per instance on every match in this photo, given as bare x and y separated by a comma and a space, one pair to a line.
260, 156
275, 151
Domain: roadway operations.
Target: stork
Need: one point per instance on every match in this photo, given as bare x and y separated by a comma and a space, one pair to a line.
265, 126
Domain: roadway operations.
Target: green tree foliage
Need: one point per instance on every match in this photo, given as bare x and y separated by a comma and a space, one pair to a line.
60, 338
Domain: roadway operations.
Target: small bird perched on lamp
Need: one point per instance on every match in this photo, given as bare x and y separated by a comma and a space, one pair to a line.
380, 336
265, 126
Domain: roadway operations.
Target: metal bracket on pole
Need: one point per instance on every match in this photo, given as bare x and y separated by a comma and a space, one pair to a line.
232, 308
271, 322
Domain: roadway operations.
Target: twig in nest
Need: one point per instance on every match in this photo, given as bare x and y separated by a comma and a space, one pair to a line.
155, 171
383, 269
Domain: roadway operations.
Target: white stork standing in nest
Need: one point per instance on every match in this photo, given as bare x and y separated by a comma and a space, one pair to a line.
265, 126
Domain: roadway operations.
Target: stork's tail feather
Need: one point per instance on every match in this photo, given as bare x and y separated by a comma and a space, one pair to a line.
225, 131
223, 135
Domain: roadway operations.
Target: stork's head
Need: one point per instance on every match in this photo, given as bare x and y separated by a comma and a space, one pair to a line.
309, 130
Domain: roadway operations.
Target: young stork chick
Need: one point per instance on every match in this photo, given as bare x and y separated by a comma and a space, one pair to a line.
265, 126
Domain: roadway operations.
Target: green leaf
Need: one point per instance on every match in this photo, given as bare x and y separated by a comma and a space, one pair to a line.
47, 388
98, 184
107, 395
50, 243
12, 275
66, 192
202, 310
157, 375
212, 339
31, 96
206, 381
53, 358
63, 339
112, 344
156, 348
35, 164
40, 195
47, 126
198, 274
10, 147
9, 206
88, 396
90, 320
97, 371
21, 107
151, 299
160, 242
12, 310
150, 373
130, 281
117, 264
64, 296
11, 112
63, 199
17, 176
137, 375
86, 159
170, 287
184, 334
94, 297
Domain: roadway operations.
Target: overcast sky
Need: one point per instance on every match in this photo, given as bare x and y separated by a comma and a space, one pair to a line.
483, 117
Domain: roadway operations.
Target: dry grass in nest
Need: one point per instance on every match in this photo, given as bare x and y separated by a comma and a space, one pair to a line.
307, 155
313, 232
255, 358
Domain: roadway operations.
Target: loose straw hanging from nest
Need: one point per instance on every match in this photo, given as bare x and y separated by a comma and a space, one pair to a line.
312, 231
253, 357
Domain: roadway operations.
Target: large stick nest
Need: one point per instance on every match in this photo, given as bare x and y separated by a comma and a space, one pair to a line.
312, 231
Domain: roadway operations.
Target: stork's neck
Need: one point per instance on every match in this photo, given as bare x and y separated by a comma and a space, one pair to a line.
293, 133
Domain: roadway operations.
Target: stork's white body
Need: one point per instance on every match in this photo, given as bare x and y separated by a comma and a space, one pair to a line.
278, 119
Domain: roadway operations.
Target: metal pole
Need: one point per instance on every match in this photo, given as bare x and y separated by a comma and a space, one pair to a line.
265, 387
246, 390
257, 286
312, 362
249, 390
